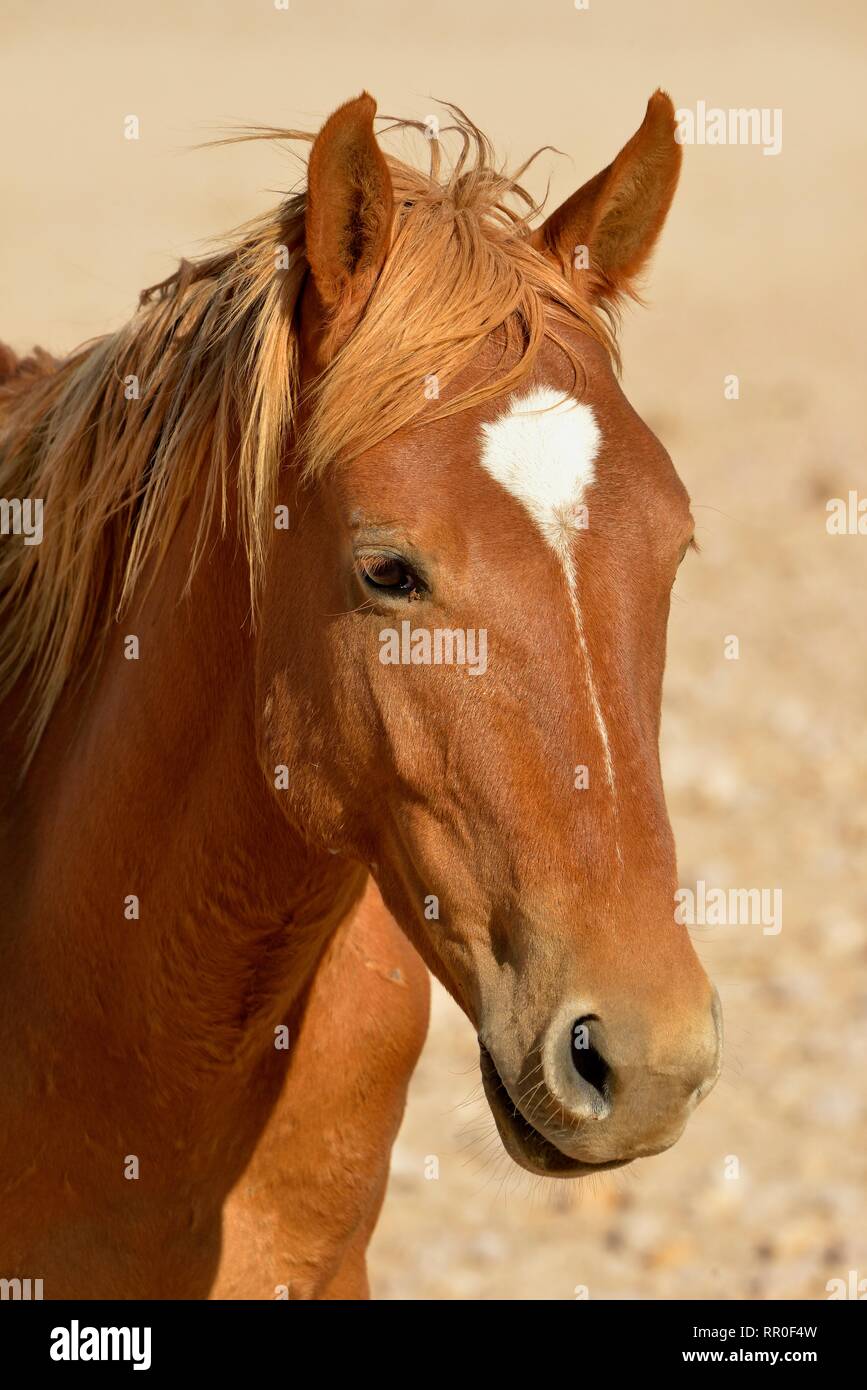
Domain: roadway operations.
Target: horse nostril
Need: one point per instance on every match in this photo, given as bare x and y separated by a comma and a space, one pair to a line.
590, 1065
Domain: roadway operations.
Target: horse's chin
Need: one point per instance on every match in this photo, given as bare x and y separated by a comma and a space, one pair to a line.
524, 1144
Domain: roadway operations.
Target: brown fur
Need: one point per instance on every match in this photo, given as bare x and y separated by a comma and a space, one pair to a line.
216, 355
259, 1168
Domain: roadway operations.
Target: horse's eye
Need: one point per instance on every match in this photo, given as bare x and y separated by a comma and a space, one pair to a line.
389, 573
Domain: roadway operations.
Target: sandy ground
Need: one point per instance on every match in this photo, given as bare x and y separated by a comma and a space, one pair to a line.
761, 274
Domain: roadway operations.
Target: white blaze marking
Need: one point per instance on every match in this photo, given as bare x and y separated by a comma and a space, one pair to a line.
546, 462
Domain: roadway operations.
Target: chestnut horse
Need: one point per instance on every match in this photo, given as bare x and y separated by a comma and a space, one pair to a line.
255, 770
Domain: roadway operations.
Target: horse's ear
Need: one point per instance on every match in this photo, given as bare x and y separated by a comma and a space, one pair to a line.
350, 205
603, 235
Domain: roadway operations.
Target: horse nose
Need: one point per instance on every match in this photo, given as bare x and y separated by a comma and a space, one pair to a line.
712, 1076
592, 1081
622, 1074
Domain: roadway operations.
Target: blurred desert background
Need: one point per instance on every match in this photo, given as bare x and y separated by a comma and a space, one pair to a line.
760, 273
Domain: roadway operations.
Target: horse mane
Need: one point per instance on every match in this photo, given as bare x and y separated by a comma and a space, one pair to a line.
203, 382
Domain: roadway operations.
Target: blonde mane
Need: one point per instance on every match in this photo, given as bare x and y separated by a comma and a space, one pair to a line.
203, 382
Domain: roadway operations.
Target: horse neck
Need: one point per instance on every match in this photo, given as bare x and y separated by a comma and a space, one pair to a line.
147, 785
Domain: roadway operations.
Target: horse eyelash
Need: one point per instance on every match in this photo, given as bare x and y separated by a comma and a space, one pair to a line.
375, 564
365, 565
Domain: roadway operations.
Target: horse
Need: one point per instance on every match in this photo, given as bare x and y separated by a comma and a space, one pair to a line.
240, 821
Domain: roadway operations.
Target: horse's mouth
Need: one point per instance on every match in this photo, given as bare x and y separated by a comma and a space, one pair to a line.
522, 1141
